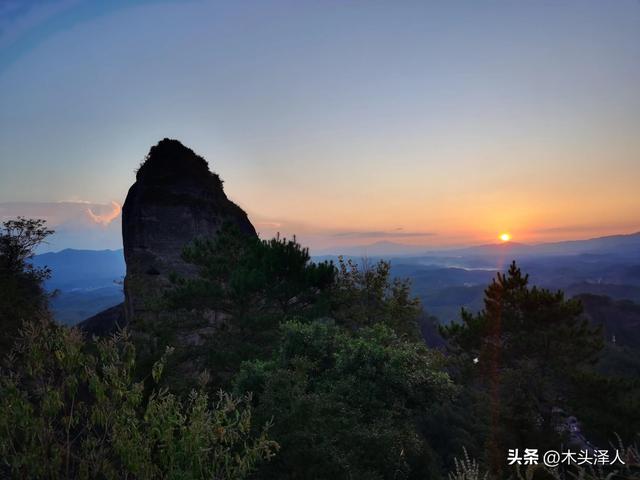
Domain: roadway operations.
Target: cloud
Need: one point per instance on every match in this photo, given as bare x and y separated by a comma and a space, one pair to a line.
268, 224
77, 224
572, 229
318, 237
75, 199
108, 217
397, 233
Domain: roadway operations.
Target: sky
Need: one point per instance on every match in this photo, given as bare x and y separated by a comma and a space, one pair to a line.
343, 122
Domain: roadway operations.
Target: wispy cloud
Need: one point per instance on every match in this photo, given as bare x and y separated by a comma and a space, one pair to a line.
105, 219
17, 17
398, 233
569, 229
321, 237
268, 224
77, 224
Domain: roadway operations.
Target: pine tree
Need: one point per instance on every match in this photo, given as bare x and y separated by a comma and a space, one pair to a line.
525, 348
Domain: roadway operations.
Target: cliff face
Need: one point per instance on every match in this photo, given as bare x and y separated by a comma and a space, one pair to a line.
175, 199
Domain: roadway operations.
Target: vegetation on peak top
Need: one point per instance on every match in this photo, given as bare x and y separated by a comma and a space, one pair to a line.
170, 159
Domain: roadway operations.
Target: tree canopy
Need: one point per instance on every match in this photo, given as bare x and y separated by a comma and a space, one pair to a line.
525, 348
21, 291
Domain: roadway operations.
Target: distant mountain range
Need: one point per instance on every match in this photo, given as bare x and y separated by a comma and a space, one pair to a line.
82, 269
627, 243
85, 281
620, 244
377, 249
446, 280
88, 281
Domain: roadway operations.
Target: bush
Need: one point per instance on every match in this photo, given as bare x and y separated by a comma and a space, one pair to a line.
72, 409
346, 406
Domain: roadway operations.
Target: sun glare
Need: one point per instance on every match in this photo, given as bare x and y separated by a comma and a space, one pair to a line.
505, 237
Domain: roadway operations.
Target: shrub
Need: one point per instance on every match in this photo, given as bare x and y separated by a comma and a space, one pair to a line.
72, 409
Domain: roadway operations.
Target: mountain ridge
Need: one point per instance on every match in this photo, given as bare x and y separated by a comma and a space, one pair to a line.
403, 249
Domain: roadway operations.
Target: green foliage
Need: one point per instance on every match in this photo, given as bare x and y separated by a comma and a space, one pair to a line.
69, 409
249, 285
18, 240
351, 389
367, 295
353, 394
346, 406
336, 363
463, 421
244, 276
21, 292
525, 349
606, 398
606, 405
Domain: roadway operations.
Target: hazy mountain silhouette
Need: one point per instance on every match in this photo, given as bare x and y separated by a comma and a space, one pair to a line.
376, 249
86, 281
623, 244
82, 269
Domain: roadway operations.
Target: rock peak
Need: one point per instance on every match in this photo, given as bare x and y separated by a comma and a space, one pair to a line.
175, 199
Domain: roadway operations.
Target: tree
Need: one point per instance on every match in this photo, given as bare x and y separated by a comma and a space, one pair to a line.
69, 409
366, 295
244, 276
21, 291
250, 286
333, 355
525, 348
344, 405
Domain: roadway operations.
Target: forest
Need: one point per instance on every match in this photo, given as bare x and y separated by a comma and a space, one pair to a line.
313, 370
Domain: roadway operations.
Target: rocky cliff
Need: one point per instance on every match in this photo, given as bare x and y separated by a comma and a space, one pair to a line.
175, 199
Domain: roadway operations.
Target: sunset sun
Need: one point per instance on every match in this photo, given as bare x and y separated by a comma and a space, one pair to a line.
505, 237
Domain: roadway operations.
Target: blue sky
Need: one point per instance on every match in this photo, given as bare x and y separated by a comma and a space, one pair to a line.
345, 122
